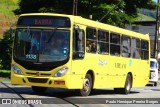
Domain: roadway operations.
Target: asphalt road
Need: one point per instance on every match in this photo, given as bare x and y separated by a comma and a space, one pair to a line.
62, 98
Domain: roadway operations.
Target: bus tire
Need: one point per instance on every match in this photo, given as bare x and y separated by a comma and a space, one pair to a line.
87, 86
39, 90
128, 85
117, 90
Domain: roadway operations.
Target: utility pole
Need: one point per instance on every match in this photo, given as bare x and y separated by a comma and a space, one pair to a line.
75, 3
156, 32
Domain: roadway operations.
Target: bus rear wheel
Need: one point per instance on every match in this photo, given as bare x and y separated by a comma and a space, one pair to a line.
39, 90
127, 86
87, 86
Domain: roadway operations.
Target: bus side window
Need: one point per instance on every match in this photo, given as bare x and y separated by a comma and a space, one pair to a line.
78, 44
103, 42
91, 42
126, 46
135, 48
115, 44
144, 50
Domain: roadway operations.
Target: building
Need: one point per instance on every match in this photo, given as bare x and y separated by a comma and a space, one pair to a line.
145, 27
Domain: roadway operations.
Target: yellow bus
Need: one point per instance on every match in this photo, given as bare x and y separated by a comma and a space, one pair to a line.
71, 52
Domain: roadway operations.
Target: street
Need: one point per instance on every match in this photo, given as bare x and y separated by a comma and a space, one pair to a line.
62, 98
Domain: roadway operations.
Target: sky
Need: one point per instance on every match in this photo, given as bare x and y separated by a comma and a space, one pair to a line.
155, 0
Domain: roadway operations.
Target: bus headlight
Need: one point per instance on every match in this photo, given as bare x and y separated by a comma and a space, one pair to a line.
61, 72
17, 70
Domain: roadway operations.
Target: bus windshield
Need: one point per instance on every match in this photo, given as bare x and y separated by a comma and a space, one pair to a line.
37, 45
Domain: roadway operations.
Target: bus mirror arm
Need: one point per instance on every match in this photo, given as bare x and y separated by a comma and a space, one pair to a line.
77, 28
78, 55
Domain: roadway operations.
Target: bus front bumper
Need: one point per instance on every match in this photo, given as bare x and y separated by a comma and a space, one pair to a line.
56, 82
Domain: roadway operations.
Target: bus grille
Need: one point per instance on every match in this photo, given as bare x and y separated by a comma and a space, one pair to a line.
41, 74
38, 80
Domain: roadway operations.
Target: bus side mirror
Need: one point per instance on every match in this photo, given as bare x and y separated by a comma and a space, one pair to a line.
78, 55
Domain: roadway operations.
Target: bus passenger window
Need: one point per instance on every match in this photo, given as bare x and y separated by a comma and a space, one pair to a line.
115, 44
135, 48
126, 46
91, 42
88, 46
144, 50
103, 42
93, 47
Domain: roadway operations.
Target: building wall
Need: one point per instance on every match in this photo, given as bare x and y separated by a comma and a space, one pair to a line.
143, 29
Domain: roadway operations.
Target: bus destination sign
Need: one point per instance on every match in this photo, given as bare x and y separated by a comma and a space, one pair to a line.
43, 22
50, 21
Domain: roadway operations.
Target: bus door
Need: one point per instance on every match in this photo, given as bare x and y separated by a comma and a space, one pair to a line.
78, 54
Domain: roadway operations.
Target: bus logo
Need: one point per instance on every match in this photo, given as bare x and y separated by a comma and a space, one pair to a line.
100, 62
37, 73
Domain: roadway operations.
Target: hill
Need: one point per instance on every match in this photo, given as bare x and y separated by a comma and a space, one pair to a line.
147, 12
142, 17
7, 16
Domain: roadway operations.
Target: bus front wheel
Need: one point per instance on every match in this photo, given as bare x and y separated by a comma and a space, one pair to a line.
39, 90
87, 86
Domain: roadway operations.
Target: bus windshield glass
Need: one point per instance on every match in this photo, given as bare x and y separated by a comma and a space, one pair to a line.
38, 45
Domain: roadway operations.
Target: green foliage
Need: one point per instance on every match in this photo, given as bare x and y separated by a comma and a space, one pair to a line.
5, 71
32, 6
7, 6
5, 51
4, 75
118, 12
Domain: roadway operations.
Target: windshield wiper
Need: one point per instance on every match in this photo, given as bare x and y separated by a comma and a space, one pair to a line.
52, 34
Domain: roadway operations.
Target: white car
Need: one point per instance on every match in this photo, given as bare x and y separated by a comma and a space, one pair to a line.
153, 71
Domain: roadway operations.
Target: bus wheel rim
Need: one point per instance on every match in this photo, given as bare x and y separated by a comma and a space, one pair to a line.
86, 85
128, 86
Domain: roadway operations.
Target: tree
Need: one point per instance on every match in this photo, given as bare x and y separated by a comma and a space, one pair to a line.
6, 51
119, 12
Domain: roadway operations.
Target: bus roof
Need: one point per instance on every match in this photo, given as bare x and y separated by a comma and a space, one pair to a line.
108, 27
96, 24
45, 14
